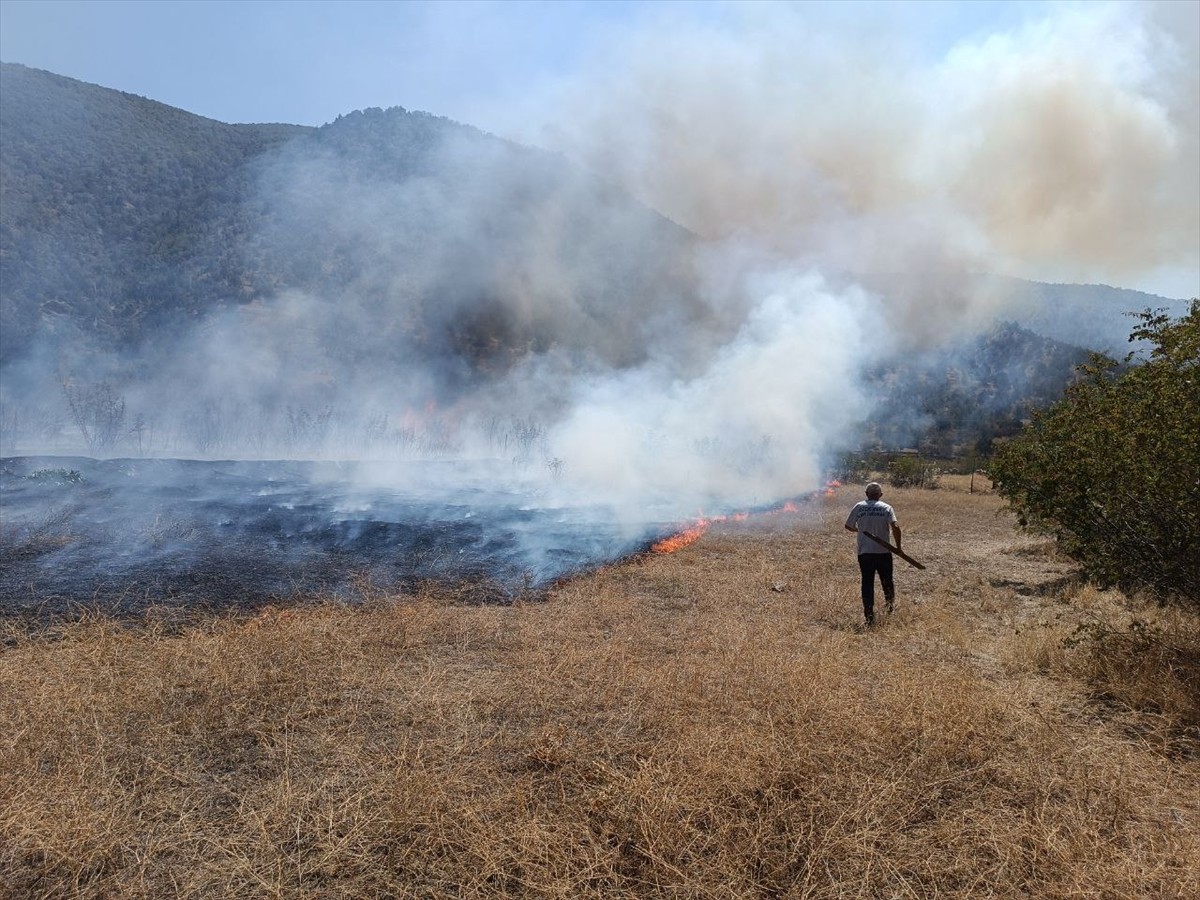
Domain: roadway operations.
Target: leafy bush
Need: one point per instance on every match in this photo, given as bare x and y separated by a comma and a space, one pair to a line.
851, 468
913, 471
1113, 469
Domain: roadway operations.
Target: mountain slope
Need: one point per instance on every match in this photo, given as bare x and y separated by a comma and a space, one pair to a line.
390, 261
1095, 316
124, 220
100, 192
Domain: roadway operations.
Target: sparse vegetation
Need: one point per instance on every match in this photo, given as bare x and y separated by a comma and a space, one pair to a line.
709, 723
958, 399
56, 476
34, 537
1140, 662
851, 467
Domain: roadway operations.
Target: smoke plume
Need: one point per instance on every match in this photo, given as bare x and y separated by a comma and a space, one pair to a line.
1066, 146
842, 188
811, 162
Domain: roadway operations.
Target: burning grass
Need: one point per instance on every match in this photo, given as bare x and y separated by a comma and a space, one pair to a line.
708, 723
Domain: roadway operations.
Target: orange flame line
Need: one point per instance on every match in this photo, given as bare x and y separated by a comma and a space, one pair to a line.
682, 539
691, 535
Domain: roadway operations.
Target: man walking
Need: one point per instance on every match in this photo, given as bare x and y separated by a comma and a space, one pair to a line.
874, 517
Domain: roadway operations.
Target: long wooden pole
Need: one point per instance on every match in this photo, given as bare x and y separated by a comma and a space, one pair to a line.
900, 553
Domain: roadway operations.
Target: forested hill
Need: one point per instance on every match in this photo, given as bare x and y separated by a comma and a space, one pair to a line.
1095, 316
395, 256
103, 195
123, 220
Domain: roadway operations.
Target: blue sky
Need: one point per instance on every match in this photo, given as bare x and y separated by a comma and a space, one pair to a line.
565, 74
308, 62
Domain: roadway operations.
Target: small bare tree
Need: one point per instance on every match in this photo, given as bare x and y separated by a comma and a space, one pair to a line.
528, 434
11, 426
98, 411
308, 431
209, 426
142, 432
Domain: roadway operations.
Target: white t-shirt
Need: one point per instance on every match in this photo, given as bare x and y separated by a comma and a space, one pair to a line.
874, 517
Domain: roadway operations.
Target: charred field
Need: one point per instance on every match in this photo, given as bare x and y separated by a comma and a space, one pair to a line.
119, 535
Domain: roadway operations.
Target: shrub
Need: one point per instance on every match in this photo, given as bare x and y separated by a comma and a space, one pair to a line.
851, 468
913, 471
98, 412
1113, 469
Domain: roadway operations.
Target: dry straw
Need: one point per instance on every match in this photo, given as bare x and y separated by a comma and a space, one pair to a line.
710, 723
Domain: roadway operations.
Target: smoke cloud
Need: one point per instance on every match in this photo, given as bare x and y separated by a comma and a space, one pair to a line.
846, 187
748, 430
1063, 149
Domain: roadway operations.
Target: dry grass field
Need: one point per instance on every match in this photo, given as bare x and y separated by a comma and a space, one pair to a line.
712, 723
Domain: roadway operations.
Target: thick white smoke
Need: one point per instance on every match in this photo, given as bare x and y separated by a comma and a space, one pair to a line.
1065, 149
749, 429
847, 184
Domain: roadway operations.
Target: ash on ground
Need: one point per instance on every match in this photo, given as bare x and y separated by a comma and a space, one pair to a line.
121, 535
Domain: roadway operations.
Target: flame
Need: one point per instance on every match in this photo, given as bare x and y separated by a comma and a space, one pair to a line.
682, 539
702, 523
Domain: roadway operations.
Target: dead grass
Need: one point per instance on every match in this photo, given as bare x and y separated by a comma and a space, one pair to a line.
970, 484
712, 723
1140, 662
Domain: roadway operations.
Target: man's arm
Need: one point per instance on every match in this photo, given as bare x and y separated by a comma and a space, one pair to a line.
896, 533
850, 527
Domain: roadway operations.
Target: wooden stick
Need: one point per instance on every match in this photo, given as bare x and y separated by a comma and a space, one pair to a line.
900, 553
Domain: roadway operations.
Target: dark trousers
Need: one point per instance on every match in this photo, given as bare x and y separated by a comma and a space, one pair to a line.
869, 564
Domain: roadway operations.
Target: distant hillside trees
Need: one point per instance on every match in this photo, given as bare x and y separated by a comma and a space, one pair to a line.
1113, 469
117, 213
956, 402
127, 227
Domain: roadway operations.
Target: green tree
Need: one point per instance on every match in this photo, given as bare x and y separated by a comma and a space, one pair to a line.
1113, 469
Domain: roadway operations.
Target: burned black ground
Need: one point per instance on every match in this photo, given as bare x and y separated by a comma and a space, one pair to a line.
120, 535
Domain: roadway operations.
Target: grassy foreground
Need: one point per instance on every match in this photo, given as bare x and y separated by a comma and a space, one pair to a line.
710, 723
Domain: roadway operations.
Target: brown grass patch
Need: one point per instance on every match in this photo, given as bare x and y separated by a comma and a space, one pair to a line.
967, 484
1140, 662
710, 723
